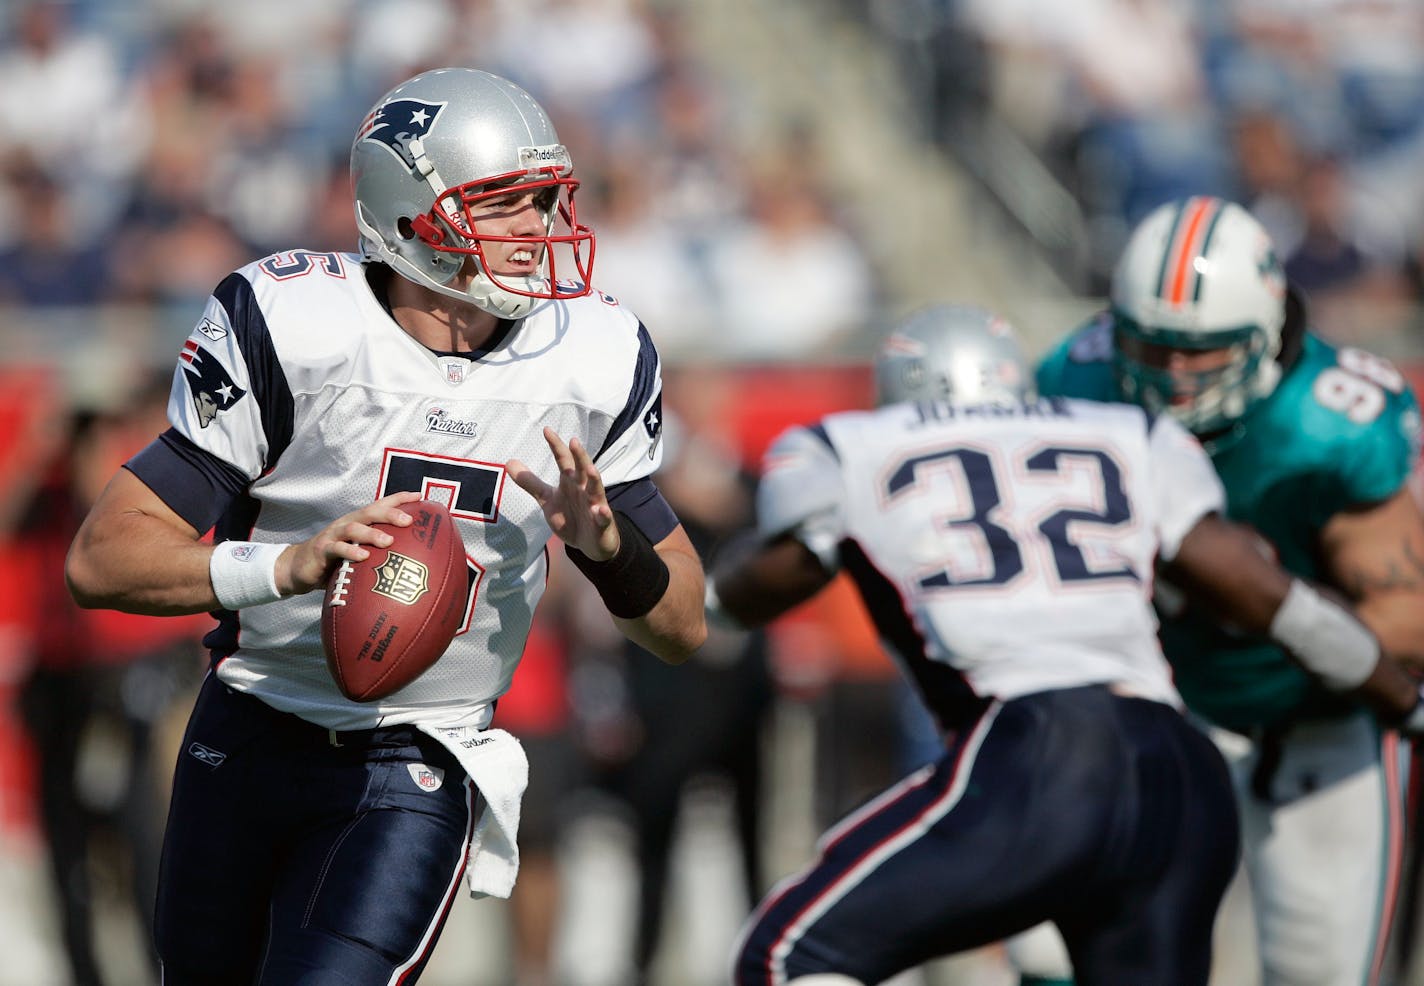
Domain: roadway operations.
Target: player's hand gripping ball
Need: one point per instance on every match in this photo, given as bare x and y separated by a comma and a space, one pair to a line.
387, 619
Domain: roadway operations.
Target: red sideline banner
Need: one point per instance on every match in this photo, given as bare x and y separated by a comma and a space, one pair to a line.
831, 636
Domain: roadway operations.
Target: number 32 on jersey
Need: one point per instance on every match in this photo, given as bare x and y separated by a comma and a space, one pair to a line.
984, 547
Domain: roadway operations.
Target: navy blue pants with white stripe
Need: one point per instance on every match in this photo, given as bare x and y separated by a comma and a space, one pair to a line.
291, 860
1111, 816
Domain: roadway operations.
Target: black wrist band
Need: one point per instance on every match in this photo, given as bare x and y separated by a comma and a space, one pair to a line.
633, 580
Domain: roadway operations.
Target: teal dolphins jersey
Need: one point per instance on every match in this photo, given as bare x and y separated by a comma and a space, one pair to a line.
1340, 430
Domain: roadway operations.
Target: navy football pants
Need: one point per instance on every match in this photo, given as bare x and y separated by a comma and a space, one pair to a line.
290, 860
1111, 816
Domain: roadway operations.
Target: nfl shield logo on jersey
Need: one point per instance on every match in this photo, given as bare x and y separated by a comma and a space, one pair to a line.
455, 367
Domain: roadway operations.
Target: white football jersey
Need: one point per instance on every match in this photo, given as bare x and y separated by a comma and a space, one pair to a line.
299, 379
1014, 546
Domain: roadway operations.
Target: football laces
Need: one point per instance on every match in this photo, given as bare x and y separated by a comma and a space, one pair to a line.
342, 584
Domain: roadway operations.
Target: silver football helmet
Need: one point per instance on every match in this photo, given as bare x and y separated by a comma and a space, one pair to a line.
956, 353
1198, 274
431, 155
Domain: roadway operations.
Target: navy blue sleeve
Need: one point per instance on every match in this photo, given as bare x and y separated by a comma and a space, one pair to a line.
645, 378
819, 430
264, 370
196, 485
643, 504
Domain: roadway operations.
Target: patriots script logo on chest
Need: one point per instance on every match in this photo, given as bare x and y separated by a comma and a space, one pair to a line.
440, 421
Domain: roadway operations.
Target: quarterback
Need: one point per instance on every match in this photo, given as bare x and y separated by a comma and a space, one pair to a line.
311, 838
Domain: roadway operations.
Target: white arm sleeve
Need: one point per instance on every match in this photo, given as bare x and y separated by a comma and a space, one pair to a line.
801, 493
1185, 486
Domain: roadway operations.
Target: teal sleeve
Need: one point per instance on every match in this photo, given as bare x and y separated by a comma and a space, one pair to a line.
1080, 365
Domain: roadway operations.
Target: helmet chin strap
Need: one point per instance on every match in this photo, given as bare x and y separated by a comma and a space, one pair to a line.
487, 296
484, 294
425, 166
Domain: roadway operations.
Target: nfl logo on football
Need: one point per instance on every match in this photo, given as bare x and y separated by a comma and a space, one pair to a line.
403, 579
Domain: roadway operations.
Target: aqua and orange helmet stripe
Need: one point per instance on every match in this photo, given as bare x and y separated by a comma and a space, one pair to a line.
1190, 237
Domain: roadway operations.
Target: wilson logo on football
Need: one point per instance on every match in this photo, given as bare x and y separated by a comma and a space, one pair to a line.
403, 579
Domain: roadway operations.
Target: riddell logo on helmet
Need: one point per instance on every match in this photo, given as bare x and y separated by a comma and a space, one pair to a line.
538, 157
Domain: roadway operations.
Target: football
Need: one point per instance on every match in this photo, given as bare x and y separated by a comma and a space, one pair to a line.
387, 619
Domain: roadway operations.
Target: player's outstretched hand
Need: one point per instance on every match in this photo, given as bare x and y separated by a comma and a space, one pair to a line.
577, 508
307, 566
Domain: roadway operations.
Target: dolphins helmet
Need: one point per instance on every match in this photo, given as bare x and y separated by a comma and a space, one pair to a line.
1198, 274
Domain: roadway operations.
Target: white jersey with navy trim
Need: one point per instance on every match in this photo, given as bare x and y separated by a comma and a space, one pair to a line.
297, 378
1015, 546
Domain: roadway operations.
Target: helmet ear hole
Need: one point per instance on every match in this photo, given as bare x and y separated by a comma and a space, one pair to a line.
405, 228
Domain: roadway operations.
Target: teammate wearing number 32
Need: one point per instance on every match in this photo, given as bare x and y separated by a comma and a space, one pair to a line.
1006, 547
1314, 445
311, 838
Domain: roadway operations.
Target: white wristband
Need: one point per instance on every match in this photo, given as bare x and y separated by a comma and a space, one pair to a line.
1327, 639
244, 573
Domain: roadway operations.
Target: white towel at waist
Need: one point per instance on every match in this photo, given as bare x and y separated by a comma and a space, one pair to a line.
496, 763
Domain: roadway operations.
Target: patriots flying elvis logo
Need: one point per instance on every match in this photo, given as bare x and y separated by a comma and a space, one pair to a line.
398, 122
653, 424
210, 385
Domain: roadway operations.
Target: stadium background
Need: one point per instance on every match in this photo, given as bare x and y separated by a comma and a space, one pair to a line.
771, 181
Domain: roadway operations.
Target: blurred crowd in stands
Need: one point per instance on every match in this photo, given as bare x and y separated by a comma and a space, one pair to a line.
146, 148
1309, 112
